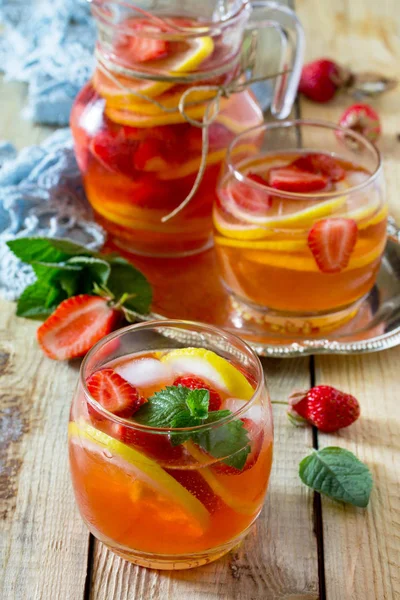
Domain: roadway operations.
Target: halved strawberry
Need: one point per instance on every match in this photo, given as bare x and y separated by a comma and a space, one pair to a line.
331, 242
193, 481
196, 383
291, 179
113, 152
156, 445
249, 198
114, 393
76, 325
256, 435
141, 48
321, 164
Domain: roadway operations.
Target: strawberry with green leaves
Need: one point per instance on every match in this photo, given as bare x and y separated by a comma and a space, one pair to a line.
84, 295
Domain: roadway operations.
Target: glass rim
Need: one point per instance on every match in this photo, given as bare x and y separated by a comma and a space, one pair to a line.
170, 323
308, 122
201, 28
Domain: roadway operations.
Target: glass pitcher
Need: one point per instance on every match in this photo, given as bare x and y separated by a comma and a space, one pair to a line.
169, 94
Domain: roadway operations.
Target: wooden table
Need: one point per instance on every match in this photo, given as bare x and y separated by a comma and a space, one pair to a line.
304, 547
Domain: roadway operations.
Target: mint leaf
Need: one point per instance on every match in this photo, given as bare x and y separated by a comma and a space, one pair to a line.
229, 441
50, 272
179, 407
95, 270
165, 408
339, 474
51, 250
197, 402
125, 279
39, 300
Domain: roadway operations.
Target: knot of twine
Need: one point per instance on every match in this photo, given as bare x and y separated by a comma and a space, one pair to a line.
211, 111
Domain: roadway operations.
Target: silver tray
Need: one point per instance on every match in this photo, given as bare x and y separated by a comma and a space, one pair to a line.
178, 294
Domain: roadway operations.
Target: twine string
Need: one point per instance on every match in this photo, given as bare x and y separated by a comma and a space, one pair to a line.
212, 107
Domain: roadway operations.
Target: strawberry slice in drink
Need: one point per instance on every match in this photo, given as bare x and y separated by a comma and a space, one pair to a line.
250, 198
114, 393
155, 445
292, 179
114, 152
138, 47
76, 325
194, 482
196, 383
320, 164
332, 242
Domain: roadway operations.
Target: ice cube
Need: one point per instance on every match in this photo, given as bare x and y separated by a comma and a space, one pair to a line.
255, 412
354, 178
145, 372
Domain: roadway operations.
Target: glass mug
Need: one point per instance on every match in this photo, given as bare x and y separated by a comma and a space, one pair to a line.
138, 124
300, 224
165, 504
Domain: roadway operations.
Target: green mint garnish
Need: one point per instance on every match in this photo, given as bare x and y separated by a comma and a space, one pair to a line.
64, 269
339, 474
179, 407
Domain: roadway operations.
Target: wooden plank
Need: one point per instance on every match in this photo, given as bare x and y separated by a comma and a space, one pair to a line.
279, 560
43, 542
362, 548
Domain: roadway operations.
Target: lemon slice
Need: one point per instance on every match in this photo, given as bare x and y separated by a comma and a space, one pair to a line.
193, 165
132, 119
197, 50
236, 231
208, 365
377, 218
362, 256
240, 506
299, 218
274, 245
170, 99
145, 469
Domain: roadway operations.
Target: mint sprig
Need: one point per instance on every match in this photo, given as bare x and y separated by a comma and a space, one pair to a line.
339, 474
179, 407
64, 269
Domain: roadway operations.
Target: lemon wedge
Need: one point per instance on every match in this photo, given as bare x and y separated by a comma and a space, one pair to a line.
377, 218
178, 63
170, 99
300, 217
145, 469
208, 365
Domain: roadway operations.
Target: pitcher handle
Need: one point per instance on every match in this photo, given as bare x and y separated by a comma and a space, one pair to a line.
285, 21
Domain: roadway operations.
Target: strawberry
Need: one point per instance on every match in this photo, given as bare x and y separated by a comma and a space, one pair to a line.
140, 48
321, 164
196, 383
248, 197
363, 119
76, 325
113, 151
325, 407
256, 436
148, 156
321, 79
157, 446
194, 482
291, 179
331, 242
114, 393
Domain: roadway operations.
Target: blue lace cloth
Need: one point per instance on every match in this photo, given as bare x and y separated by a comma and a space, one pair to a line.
48, 44
41, 194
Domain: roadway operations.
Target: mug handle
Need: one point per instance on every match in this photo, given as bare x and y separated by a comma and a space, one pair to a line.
285, 22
